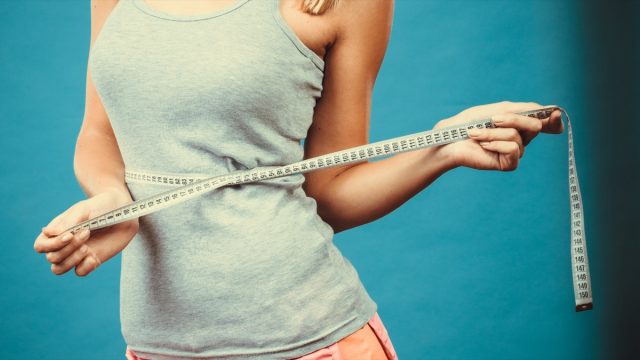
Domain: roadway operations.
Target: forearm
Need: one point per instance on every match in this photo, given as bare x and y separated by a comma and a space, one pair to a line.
98, 164
100, 172
370, 190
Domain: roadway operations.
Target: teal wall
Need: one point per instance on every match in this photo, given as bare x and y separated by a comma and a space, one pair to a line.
477, 266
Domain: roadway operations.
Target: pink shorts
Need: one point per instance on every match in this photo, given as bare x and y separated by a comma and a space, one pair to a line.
370, 342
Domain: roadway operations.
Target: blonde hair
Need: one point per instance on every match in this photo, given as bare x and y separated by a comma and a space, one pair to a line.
317, 7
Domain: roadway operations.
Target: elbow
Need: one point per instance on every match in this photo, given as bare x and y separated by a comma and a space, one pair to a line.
323, 208
325, 215
332, 208
334, 204
344, 213
333, 215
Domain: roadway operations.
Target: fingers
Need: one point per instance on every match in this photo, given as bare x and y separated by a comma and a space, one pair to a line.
504, 141
553, 124
50, 229
87, 265
51, 238
45, 244
498, 135
72, 216
72, 260
520, 122
529, 127
71, 246
509, 153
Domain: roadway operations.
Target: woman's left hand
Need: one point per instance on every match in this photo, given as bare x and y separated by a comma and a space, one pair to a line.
502, 147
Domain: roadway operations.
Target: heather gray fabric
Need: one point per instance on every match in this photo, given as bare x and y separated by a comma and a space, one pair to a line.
248, 271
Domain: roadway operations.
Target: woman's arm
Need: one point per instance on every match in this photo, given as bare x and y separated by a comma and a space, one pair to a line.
356, 194
97, 163
99, 170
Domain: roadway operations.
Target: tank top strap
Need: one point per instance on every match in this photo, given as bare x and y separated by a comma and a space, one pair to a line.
269, 10
288, 31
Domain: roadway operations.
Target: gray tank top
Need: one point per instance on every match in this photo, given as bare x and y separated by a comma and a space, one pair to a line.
248, 271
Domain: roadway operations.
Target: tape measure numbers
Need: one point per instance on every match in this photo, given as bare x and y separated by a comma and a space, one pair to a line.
189, 187
579, 259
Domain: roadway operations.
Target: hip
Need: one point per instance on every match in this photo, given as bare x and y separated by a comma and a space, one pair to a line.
370, 342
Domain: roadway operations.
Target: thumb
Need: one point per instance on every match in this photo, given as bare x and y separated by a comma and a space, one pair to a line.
72, 216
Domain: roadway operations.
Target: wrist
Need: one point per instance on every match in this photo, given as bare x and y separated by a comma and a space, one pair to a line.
120, 195
440, 158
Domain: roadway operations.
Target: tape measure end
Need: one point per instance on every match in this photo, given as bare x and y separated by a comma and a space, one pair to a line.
583, 307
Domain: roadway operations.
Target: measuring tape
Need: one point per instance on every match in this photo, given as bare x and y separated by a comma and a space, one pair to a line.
190, 187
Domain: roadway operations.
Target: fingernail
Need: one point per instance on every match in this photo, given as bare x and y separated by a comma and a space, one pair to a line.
84, 249
473, 132
84, 233
497, 119
66, 237
484, 143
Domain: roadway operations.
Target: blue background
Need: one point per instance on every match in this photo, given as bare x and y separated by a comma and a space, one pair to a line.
475, 266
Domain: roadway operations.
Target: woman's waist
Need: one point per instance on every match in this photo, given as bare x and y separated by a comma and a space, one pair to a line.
260, 218
246, 256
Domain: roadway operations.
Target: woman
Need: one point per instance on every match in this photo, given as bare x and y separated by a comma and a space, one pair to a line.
210, 87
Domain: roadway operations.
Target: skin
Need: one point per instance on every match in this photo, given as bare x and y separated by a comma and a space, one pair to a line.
352, 39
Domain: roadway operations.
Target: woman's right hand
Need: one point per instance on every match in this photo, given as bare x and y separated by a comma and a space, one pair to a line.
86, 251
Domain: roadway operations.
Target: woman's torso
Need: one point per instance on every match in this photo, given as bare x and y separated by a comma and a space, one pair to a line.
245, 271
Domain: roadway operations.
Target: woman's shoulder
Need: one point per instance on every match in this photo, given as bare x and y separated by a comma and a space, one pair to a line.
345, 20
100, 10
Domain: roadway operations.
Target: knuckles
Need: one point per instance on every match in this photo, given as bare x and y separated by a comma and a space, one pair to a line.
57, 270
510, 165
86, 267
515, 148
37, 245
499, 134
538, 126
53, 258
81, 272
